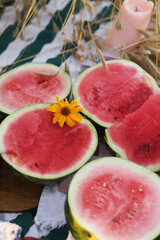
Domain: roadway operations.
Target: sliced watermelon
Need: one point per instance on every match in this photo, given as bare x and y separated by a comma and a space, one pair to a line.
137, 138
112, 198
40, 150
32, 83
108, 96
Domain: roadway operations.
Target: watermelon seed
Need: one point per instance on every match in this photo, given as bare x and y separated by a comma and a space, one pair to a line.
115, 117
39, 82
128, 217
115, 220
136, 203
140, 189
132, 190
25, 97
129, 210
109, 109
36, 164
104, 184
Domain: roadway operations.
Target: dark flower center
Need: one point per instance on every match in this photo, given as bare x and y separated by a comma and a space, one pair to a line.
65, 111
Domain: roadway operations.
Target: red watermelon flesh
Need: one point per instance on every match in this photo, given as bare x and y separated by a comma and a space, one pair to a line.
32, 83
137, 138
112, 200
33, 144
108, 96
112, 196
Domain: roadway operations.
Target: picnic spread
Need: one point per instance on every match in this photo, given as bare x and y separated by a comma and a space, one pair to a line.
79, 82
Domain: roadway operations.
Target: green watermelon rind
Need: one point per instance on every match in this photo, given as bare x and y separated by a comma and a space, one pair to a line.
80, 77
79, 232
77, 227
48, 66
121, 153
113, 146
46, 178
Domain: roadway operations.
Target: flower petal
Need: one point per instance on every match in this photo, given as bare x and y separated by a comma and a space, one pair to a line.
61, 120
62, 103
58, 100
73, 104
54, 120
67, 103
75, 116
77, 109
70, 122
54, 108
56, 117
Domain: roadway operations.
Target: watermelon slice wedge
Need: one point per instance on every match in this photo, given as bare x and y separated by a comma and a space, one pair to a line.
112, 198
137, 137
108, 96
32, 83
41, 151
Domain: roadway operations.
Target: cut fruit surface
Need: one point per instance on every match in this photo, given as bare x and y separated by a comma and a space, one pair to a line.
112, 198
32, 83
108, 96
137, 138
39, 149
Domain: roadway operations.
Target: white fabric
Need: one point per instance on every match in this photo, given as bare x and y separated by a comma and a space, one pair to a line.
50, 213
9, 231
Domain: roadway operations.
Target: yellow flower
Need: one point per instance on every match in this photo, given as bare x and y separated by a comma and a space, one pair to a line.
65, 112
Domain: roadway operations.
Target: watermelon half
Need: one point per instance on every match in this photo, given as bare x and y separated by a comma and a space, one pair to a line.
40, 150
137, 137
108, 96
32, 83
114, 199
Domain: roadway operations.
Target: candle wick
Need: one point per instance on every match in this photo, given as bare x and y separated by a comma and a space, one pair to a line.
136, 9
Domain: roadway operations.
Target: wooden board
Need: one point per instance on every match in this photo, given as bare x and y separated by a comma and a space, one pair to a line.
17, 195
